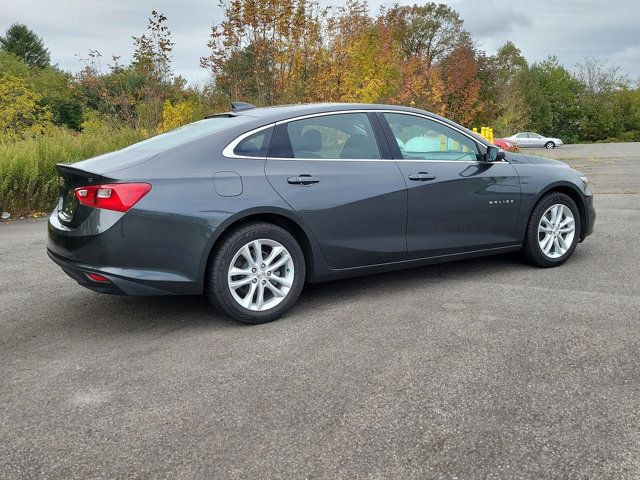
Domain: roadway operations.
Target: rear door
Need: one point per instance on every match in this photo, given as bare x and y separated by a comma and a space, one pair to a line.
456, 203
334, 172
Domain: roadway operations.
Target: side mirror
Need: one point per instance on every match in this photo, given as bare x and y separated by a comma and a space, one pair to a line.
493, 154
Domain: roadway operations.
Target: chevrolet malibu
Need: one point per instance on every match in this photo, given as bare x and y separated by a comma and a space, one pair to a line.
246, 206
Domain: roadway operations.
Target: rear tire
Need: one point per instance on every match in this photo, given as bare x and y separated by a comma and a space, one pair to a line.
549, 145
256, 274
553, 231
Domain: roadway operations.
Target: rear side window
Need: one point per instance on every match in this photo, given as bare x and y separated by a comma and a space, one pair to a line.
419, 138
339, 136
255, 145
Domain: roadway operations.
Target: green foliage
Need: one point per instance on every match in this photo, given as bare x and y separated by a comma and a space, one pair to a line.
53, 87
21, 114
552, 98
176, 116
290, 51
25, 44
27, 167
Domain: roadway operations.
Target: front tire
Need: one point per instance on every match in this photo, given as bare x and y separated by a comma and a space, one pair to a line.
553, 231
549, 145
256, 273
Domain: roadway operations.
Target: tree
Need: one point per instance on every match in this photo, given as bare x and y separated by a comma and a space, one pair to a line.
25, 44
265, 51
152, 55
152, 64
461, 85
599, 118
372, 67
503, 84
52, 87
21, 114
175, 116
551, 95
431, 31
421, 87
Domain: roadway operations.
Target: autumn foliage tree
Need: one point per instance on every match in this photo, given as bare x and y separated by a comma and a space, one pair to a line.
294, 51
283, 51
265, 50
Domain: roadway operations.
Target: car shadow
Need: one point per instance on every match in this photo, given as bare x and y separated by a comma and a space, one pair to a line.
122, 314
431, 275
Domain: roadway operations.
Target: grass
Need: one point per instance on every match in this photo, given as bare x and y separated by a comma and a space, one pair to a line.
28, 178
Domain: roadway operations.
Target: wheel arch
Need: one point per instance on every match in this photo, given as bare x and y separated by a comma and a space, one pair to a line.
574, 193
276, 216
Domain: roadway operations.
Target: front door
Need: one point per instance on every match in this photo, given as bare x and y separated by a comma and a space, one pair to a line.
524, 140
456, 202
333, 172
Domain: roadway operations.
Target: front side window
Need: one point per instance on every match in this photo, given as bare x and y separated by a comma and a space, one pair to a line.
419, 138
345, 136
522, 135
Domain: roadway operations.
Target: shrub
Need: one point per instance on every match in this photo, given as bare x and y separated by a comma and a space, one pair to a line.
27, 167
20, 113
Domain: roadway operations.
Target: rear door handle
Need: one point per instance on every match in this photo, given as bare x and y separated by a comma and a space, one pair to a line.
303, 179
422, 176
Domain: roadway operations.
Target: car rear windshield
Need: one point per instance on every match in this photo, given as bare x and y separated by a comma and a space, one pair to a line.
187, 133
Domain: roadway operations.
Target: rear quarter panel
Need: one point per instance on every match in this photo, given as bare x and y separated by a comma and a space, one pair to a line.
174, 227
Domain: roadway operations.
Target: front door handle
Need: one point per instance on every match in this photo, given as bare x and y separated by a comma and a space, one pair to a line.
303, 179
422, 177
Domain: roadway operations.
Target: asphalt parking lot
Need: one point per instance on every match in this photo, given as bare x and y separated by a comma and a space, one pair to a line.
486, 368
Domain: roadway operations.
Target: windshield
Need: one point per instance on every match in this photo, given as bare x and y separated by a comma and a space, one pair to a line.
187, 133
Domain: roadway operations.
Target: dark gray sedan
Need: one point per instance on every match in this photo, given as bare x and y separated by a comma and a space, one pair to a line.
249, 205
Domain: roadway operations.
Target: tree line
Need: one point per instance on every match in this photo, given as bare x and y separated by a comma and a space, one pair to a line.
270, 52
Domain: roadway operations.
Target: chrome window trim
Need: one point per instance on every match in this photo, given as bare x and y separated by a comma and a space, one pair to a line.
374, 160
228, 150
401, 112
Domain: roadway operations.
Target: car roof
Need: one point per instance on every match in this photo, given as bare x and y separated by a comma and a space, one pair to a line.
284, 112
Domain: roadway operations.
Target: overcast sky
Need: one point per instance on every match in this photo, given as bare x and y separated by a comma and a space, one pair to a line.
570, 29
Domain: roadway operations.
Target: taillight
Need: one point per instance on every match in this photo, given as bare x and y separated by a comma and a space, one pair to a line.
115, 196
98, 278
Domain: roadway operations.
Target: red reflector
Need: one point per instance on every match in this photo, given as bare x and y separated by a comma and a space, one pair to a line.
97, 278
114, 196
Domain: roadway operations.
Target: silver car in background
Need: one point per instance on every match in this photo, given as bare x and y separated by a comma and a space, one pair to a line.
534, 140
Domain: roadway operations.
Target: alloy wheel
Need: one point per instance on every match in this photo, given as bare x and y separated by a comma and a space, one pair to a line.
556, 230
261, 274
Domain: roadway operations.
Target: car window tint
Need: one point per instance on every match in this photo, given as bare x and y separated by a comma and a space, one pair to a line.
347, 136
419, 138
255, 145
187, 133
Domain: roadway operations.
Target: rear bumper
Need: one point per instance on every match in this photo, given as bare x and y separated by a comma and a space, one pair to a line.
124, 281
136, 255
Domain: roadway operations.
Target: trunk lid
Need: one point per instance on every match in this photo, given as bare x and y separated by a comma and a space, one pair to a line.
70, 211
91, 172
118, 160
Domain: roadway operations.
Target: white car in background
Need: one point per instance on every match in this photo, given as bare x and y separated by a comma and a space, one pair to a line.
534, 140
